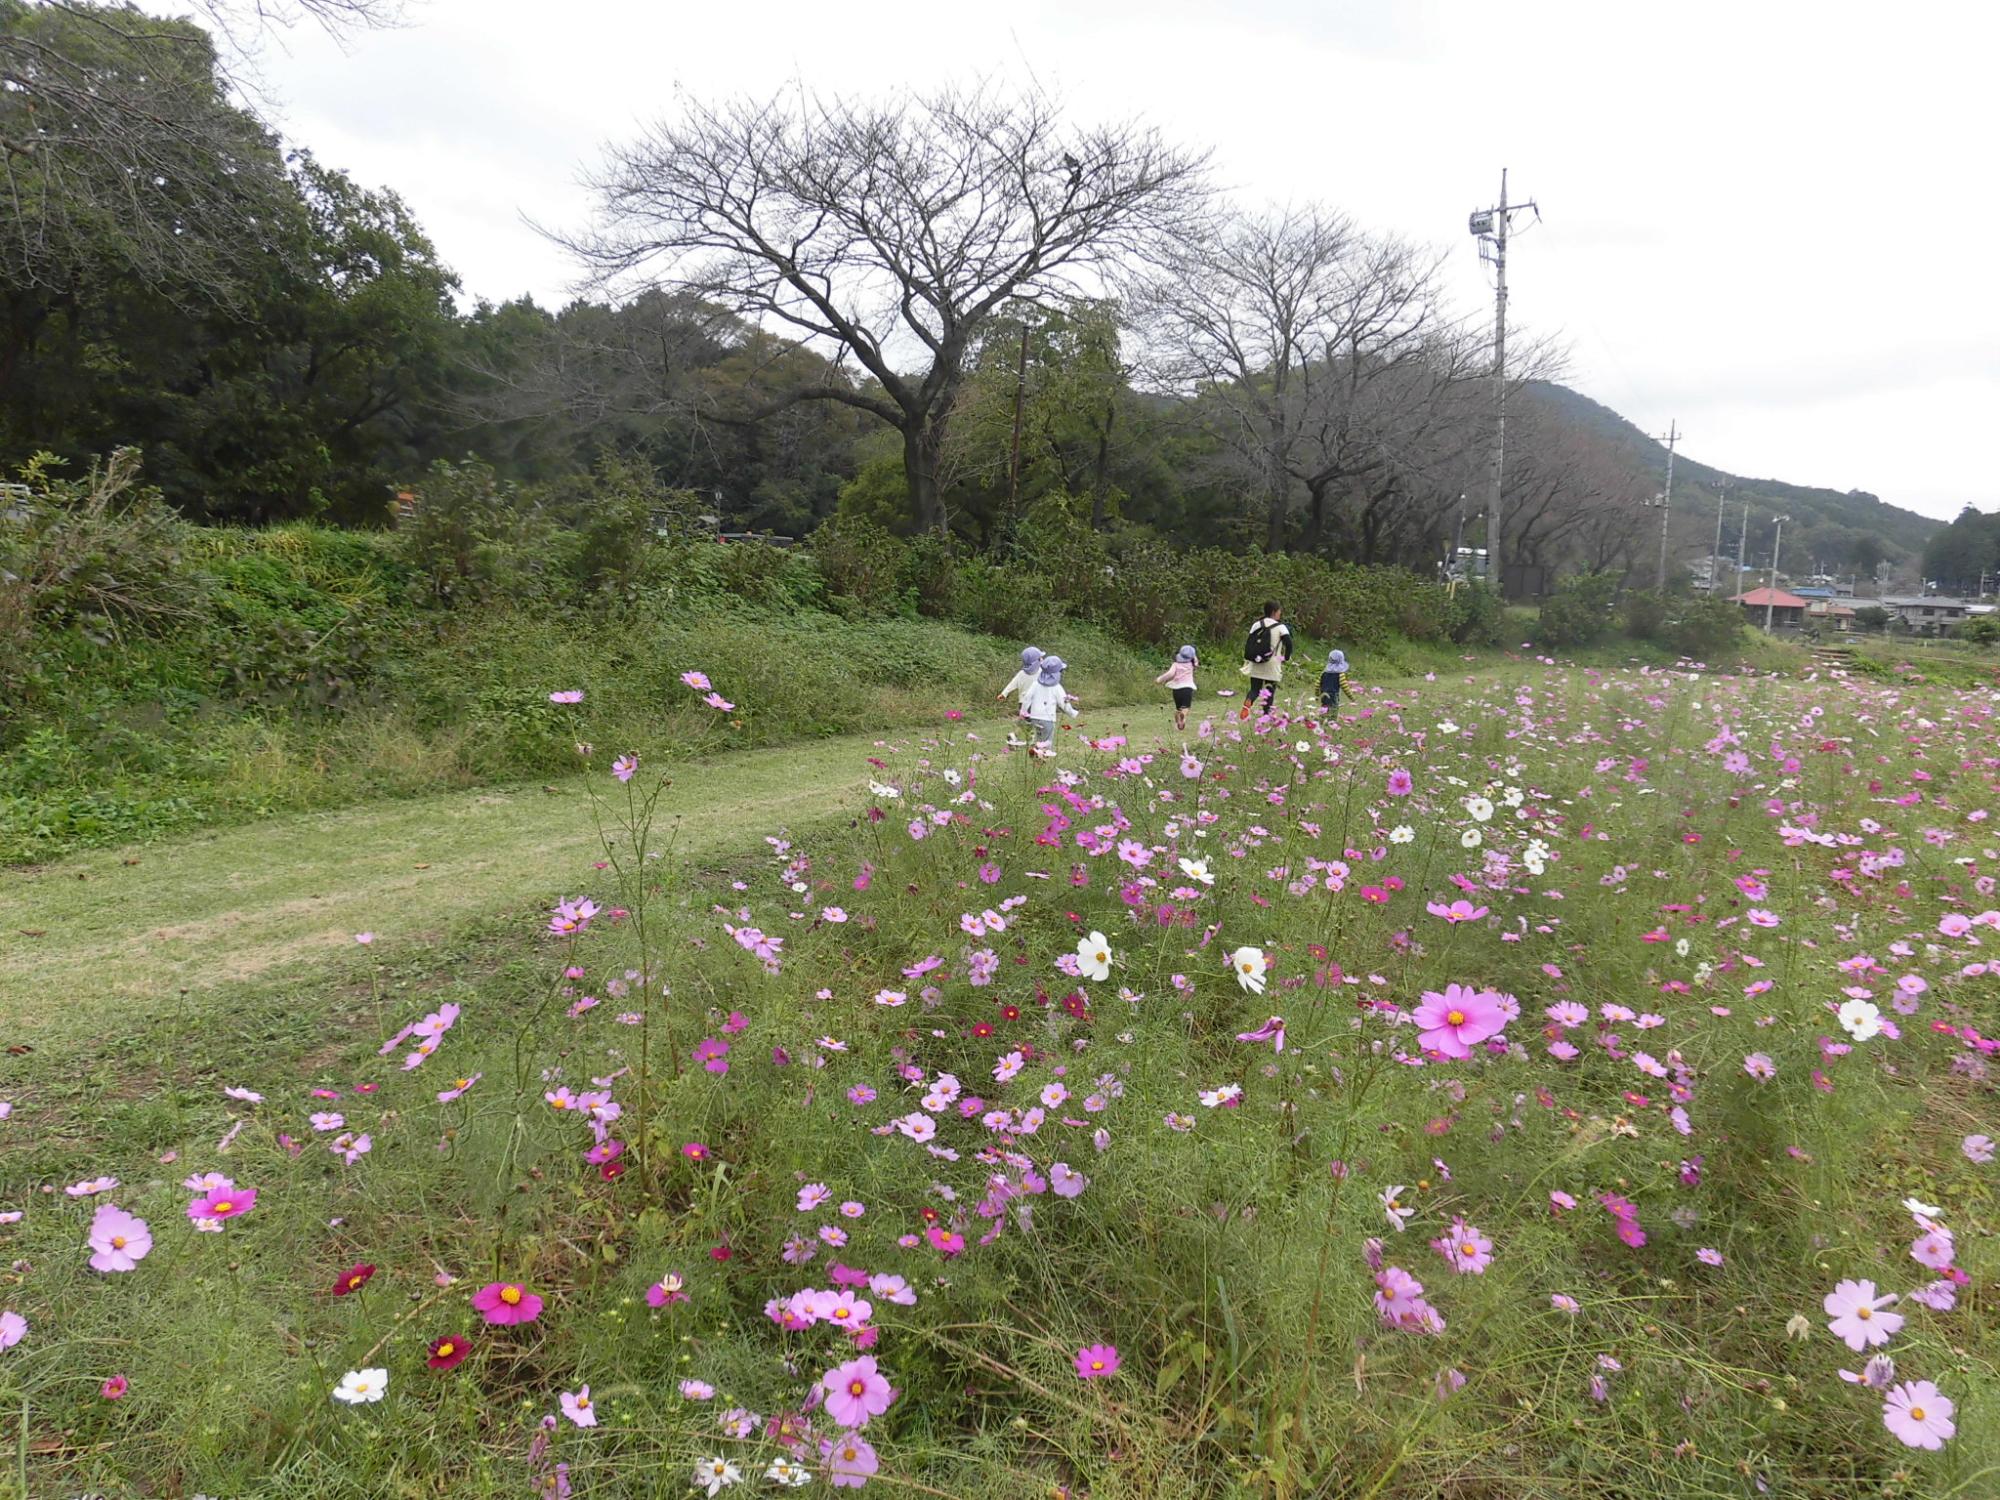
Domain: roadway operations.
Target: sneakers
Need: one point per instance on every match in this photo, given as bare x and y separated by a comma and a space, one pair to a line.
1243, 713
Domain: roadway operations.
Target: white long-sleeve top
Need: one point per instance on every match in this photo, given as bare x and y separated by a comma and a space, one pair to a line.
1039, 702
1020, 682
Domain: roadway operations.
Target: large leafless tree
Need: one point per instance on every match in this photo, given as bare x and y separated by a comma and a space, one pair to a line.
1292, 328
885, 233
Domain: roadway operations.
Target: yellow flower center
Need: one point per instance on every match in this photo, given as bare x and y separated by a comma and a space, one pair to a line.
583, 1403
1455, 1017
511, 1295
1468, 1249
843, 1312
462, 1083
117, 1242
223, 1207
1103, 958
1917, 1413
447, 1349
1864, 1313
856, 1387
850, 1452
1097, 1364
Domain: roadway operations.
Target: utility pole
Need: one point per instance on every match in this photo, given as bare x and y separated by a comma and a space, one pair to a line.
1715, 557
1489, 226
1742, 545
1667, 501
1771, 595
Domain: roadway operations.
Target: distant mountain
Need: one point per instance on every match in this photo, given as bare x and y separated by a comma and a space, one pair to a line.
1845, 533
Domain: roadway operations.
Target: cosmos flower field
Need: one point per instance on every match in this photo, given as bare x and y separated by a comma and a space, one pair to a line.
1542, 1082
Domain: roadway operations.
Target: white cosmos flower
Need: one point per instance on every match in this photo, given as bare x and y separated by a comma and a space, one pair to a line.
891, 794
1250, 964
784, 1471
716, 1475
1479, 808
1512, 796
1402, 833
1216, 1098
1681, 947
1924, 1213
361, 1387
1472, 838
1197, 869
1445, 726
1093, 956
1860, 1019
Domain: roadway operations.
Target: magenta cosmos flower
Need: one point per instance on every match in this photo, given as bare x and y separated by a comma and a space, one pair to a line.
856, 1392
1400, 784
118, 1241
1095, 1361
1919, 1414
576, 1406
1458, 1020
507, 1302
223, 1203
1859, 1316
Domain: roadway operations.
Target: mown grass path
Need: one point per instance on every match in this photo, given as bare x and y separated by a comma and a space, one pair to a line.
85, 936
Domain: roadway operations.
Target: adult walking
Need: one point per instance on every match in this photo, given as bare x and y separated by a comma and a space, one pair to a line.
1265, 653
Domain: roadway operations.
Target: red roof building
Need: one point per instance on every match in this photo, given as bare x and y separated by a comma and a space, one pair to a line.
1783, 608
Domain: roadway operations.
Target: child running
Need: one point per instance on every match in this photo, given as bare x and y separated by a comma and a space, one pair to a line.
1179, 676
1021, 681
1329, 680
1042, 702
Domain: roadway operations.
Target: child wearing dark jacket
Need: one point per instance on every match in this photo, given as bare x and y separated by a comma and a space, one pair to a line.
1330, 679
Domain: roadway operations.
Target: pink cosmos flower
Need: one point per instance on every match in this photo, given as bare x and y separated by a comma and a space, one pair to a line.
1457, 1020
224, 1203
114, 1388
849, 1460
567, 695
1977, 1149
1096, 1361
697, 680
1859, 1317
118, 1241
1468, 1251
1400, 784
1933, 1248
1919, 1414
507, 1302
625, 767
855, 1392
576, 1406
13, 1328
719, 703
1458, 911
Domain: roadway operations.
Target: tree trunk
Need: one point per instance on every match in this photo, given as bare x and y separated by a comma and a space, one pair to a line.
923, 447
1316, 512
1098, 473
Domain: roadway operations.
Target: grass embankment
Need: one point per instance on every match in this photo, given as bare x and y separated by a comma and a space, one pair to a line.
1217, 1232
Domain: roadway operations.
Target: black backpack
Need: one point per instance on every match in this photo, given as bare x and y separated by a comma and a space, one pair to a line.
1258, 647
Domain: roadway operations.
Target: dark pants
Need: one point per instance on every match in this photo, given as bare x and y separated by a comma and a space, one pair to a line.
1262, 689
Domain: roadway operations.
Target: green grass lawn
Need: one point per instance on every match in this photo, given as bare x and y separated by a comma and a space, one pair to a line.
1673, 880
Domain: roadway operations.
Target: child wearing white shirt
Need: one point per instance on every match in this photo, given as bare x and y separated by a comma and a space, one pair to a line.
1021, 681
1042, 702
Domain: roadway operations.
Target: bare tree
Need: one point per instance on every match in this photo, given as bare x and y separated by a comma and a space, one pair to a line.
886, 233
1286, 325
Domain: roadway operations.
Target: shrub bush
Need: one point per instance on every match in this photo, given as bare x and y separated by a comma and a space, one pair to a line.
1578, 613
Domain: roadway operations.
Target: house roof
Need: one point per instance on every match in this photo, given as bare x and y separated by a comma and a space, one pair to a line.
1777, 598
1933, 601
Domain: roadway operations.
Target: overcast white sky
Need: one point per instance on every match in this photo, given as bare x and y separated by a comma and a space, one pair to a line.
1773, 222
